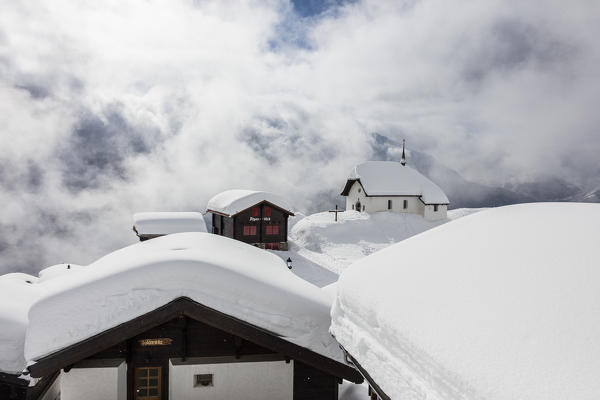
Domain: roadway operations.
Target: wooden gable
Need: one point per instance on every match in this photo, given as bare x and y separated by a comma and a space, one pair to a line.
241, 338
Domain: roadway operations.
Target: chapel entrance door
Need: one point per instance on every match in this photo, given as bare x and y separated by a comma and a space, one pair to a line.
148, 383
357, 206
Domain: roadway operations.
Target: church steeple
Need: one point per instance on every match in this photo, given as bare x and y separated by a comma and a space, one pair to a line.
403, 161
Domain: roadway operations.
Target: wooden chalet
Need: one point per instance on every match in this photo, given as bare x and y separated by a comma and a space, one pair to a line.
180, 348
257, 218
183, 350
150, 225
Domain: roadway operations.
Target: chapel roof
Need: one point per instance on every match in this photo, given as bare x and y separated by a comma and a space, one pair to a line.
389, 178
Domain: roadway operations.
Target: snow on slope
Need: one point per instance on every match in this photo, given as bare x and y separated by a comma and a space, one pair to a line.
225, 274
335, 245
506, 307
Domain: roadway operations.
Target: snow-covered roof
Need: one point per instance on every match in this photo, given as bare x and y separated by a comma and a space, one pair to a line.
221, 273
56, 271
388, 178
164, 223
506, 307
17, 292
231, 202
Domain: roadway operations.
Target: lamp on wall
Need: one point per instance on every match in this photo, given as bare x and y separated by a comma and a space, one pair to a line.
289, 263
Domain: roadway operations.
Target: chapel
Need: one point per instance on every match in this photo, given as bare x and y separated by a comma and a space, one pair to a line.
375, 186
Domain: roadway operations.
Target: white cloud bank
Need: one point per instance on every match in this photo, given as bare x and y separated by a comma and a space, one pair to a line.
107, 108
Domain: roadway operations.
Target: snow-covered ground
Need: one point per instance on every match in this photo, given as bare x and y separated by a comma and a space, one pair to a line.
506, 308
321, 248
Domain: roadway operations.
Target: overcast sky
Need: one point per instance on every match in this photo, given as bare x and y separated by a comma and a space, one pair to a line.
112, 107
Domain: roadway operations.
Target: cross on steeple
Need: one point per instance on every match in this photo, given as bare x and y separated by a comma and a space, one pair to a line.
403, 160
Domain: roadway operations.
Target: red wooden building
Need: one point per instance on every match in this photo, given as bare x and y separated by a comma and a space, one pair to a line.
257, 218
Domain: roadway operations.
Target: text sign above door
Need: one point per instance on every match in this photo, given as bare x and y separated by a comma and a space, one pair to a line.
155, 342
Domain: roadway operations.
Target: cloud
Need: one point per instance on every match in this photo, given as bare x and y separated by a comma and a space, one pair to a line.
122, 106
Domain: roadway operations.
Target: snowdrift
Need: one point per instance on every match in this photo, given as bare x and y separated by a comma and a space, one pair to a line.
336, 245
502, 305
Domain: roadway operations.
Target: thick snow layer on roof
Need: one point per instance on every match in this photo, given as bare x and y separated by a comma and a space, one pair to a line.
503, 304
224, 274
164, 223
389, 178
17, 292
337, 244
231, 202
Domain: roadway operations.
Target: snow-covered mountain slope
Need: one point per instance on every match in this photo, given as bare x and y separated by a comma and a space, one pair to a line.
319, 239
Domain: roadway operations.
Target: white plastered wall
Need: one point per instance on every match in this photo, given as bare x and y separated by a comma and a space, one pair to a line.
432, 215
380, 203
266, 380
94, 383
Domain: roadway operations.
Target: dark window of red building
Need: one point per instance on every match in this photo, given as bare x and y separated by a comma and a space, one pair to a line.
255, 211
272, 229
249, 230
267, 211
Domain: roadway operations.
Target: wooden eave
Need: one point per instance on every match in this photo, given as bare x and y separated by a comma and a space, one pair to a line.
349, 184
33, 392
184, 306
374, 386
432, 204
253, 205
218, 213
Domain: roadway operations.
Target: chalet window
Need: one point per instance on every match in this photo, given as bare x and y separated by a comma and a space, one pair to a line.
203, 380
435, 207
267, 211
249, 230
272, 229
389, 204
148, 382
405, 204
255, 211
